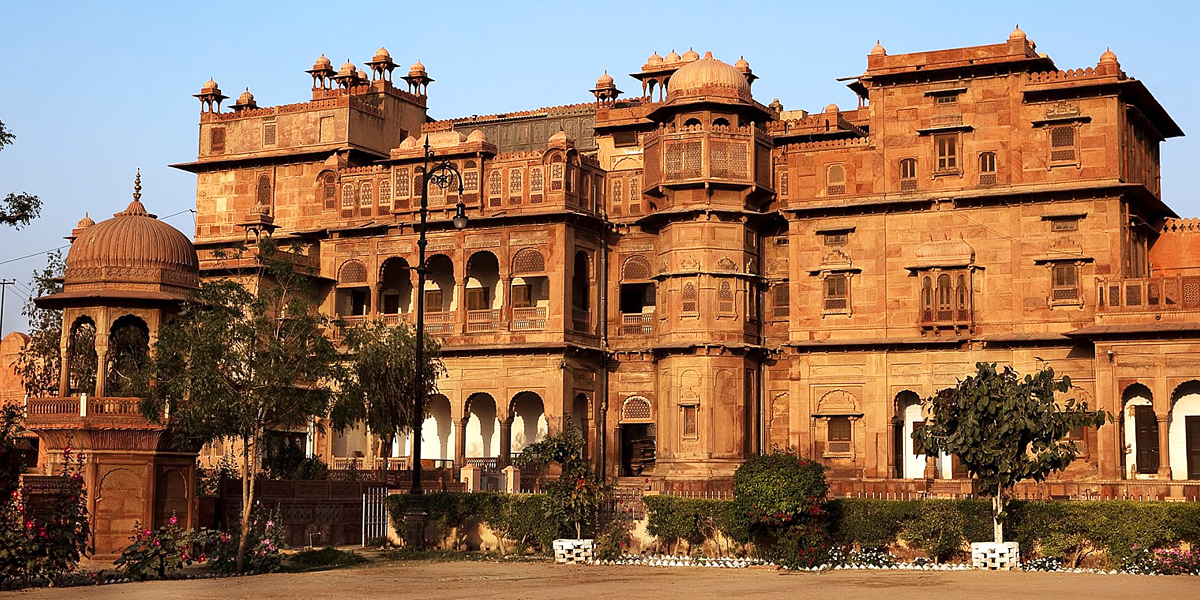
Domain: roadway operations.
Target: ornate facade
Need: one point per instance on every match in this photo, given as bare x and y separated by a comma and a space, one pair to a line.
693, 276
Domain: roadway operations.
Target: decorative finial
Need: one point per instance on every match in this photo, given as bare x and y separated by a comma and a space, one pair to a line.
137, 185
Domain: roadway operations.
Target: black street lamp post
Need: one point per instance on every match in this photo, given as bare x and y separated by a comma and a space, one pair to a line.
443, 174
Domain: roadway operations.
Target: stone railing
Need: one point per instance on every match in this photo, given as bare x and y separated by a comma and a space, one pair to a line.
529, 319
1148, 294
483, 320
84, 406
637, 324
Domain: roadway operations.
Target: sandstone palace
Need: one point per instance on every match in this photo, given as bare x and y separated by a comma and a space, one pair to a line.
692, 276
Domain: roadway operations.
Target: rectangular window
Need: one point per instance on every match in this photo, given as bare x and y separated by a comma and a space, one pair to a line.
836, 239
987, 168
946, 99
690, 414
781, 306
946, 152
521, 297
1064, 225
433, 301
216, 140
836, 292
622, 139
839, 435
268, 134
478, 299
1066, 282
1062, 143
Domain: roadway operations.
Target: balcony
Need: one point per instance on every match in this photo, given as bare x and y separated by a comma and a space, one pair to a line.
529, 319
483, 320
946, 318
441, 322
637, 324
1148, 294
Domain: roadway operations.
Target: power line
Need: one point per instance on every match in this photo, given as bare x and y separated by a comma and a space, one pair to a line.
4, 283
12, 260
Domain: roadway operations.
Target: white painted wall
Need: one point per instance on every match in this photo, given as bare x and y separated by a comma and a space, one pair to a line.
1131, 433
1185, 406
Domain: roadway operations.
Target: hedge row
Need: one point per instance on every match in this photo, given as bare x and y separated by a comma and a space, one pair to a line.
516, 518
1068, 531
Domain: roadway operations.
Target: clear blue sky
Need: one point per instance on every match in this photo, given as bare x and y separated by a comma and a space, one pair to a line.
94, 90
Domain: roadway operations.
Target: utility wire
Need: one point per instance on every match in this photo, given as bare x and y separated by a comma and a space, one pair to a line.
12, 260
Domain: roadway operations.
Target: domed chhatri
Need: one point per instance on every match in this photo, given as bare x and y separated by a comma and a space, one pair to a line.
709, 77
1108, 57
322, 64
132, 255
672, 57
417, 69
1017, 34
878, 50
654, 59
691, 55
605, 81
382, 55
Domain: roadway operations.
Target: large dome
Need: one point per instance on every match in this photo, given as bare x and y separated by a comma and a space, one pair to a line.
708, 77
132, 255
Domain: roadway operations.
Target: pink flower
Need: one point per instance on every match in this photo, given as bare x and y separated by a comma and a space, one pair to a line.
202, 559
146, 532
157, 543
173, 520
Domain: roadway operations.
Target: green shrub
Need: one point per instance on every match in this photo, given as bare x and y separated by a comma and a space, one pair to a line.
869, 523
937, 529
779, 489
674, 519
518, 518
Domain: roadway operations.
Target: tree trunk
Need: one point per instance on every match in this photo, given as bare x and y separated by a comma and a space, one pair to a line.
247, 497
997, 510
385, 452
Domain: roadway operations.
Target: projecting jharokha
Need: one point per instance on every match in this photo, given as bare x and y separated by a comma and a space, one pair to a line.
692, 276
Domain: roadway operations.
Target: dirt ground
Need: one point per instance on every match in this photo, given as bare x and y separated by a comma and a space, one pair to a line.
538, 580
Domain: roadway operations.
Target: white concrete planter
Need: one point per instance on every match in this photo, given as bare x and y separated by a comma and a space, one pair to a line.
572, 552
990, 555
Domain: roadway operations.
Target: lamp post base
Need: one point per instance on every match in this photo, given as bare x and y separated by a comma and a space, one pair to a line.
415, 519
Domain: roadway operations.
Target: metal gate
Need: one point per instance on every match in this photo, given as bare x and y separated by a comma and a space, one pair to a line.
374, 514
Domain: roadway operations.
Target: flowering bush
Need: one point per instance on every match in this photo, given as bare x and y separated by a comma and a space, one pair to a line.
266, 540
1042, 563
160, 553
780, 497
44, 530
1162, 561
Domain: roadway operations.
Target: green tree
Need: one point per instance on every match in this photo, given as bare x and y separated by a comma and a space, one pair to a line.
239, 362
38, 364
379, 384
18, 209
575, 499
1005, 429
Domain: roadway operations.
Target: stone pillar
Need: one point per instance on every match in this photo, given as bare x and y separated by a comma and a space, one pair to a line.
511, 479
506, 304
460, 442
1164, 446
470, 475
895, 455
64, 371
460, 313
930, 467
506, 442
101, 370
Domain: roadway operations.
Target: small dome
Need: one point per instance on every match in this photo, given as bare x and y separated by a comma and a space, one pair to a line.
654, 59
347, 69
210, 87
417, 69
246, 97
741, 64
409, 143
605, 81
381, 55
709, 77
878, 50
477, 136
672, 57
692, 55
85, 222
558, 138
322, 64
832, 108
1108, 57
1017, 34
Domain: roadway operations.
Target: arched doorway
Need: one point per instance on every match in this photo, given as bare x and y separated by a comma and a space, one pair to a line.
1184, 431
483, 292
1141, 430
529, 420
638, 444
81, 367
395, 287
581, 315
910, 464
437, 433
483, 428
170, 497
579, 418
119, 504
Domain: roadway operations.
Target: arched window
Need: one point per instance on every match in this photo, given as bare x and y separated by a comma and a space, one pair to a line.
495, 187
987, 168
516, 185
725, 297
635, 196
636, 268
908, 174
470, 177
944, 297
329, 190
835, 179
352, 271
635, 409
618, 195
721, 122
689, 298
535, 180
348, 198
528, 260
691, 123
263, 194
366, 198
927, 299
960, 301
385, 196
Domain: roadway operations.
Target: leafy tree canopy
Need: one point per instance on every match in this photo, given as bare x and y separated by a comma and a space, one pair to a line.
18, 209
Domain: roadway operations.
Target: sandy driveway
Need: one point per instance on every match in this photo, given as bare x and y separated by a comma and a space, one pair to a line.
532, 580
